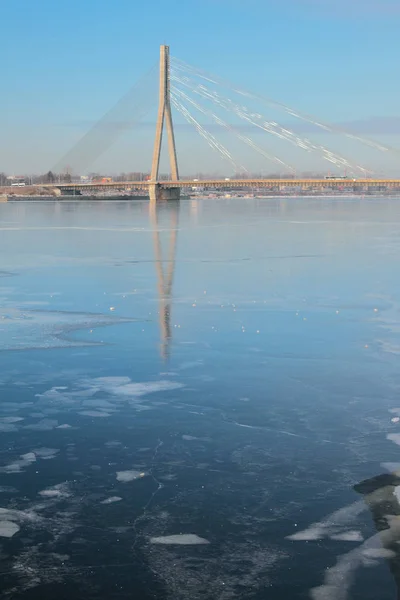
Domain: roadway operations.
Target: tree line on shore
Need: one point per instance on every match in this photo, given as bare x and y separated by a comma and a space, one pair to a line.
51, 177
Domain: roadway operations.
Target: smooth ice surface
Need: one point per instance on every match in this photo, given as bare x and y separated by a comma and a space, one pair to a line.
45, 328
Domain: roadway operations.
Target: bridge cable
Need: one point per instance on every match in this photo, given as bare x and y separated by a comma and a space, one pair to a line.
125, 115
181, 65
229, 127
211, 140
269, 126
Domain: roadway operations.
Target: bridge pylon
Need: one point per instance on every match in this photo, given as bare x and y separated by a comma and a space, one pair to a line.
156, 189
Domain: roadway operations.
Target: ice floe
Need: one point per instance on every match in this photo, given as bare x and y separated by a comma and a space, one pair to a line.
348, 536
123, 386
83, 398
192, 438
46, 453
334, 525
43, 425
18, 465
11, 419
111, 500
391, 466
60, 490
8, 529
8, 489
125, 476
7, 427
93, 413
29, 457
183, 539
394, 437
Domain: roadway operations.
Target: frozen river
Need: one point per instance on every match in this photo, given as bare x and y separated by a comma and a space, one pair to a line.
200, 401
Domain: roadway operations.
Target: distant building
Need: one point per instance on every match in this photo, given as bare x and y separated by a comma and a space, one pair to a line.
16, 181
102, 180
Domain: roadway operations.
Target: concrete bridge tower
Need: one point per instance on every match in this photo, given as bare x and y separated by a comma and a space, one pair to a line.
156, 189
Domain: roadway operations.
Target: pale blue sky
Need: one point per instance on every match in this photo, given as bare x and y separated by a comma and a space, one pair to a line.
65, 64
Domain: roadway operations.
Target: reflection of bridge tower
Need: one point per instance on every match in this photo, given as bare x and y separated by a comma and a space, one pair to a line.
157, 191
165, 279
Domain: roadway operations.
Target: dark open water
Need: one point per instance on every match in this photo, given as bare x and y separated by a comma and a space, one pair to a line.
241, 396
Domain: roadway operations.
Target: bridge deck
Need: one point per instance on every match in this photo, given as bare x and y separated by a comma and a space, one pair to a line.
233, 184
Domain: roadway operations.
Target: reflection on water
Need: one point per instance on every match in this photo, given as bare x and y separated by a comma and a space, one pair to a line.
157, 211
234, 470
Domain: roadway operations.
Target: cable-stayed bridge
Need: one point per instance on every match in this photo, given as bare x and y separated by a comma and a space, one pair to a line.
194, 94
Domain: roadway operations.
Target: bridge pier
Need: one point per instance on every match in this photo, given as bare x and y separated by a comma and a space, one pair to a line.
159, 193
